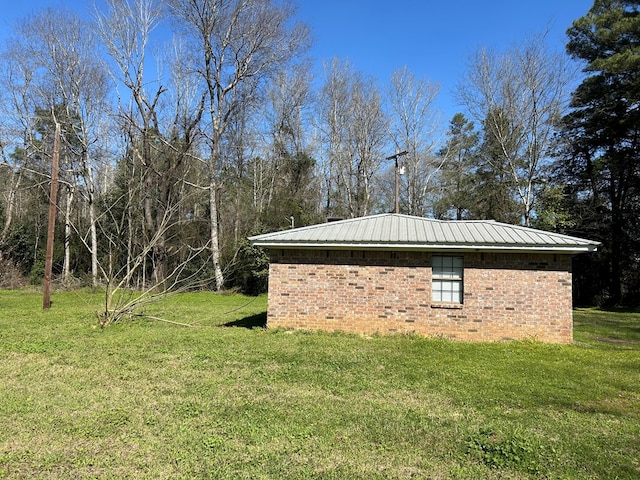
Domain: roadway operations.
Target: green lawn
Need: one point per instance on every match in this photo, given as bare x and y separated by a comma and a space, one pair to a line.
154, 400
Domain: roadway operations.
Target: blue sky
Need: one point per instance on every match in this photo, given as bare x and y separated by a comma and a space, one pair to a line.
433, 38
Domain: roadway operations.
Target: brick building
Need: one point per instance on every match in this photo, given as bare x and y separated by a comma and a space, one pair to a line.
466, 280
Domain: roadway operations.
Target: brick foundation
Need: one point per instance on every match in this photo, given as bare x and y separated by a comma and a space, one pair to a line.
506, 295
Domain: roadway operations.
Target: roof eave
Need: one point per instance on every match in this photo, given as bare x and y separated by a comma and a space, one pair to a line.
566, 249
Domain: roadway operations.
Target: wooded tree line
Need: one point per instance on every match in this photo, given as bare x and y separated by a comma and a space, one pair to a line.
188, 125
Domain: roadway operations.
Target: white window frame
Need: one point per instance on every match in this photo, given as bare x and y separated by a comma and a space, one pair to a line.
447, 279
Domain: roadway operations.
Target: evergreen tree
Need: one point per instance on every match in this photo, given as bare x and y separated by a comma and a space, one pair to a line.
600, 166
456, 176
494, 190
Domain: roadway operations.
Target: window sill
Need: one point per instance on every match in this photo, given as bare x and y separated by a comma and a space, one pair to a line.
450, 306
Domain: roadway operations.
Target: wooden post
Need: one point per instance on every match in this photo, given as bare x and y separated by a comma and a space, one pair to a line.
397, 194
48, 264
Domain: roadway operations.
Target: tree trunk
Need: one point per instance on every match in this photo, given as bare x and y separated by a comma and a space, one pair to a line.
11, 200
91, 199
129, 236
618, 251
94, 241
215, 245
66, 268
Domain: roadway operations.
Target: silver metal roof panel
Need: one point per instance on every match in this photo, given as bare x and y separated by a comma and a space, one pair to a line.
394, 231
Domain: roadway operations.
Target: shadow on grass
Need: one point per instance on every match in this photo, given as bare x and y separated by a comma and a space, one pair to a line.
254, 321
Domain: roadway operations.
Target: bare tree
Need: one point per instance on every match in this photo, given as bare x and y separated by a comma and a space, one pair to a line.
355, 129
368, 134
238, 45
69, 54
122, 302
16, 79
23, 161
413, 127
54, 72
333, 121
290, 189
289, 97
125, 29
519, 97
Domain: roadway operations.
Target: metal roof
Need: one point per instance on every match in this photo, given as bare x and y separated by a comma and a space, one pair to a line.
404, 232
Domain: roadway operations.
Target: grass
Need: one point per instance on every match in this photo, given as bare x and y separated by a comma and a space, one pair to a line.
152, 400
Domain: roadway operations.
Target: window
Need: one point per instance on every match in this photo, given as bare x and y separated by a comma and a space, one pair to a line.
447, 279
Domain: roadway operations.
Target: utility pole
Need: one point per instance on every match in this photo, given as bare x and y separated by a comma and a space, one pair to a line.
395, 157
48, 263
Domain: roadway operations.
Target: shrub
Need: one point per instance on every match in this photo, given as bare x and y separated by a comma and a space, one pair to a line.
11, 277
250, 271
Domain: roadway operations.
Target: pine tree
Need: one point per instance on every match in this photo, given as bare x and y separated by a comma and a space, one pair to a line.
601, 163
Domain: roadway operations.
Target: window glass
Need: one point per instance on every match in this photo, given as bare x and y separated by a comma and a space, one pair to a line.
447, 279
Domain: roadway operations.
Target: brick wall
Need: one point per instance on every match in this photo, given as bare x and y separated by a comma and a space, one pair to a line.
506, 295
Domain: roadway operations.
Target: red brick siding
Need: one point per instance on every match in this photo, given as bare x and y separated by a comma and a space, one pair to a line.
506, 295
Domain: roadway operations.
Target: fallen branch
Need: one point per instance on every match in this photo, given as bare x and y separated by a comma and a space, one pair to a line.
161, 319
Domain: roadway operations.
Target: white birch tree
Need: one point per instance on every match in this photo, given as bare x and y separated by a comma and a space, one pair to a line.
238, 45
414, 125
355, 130
519, 96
